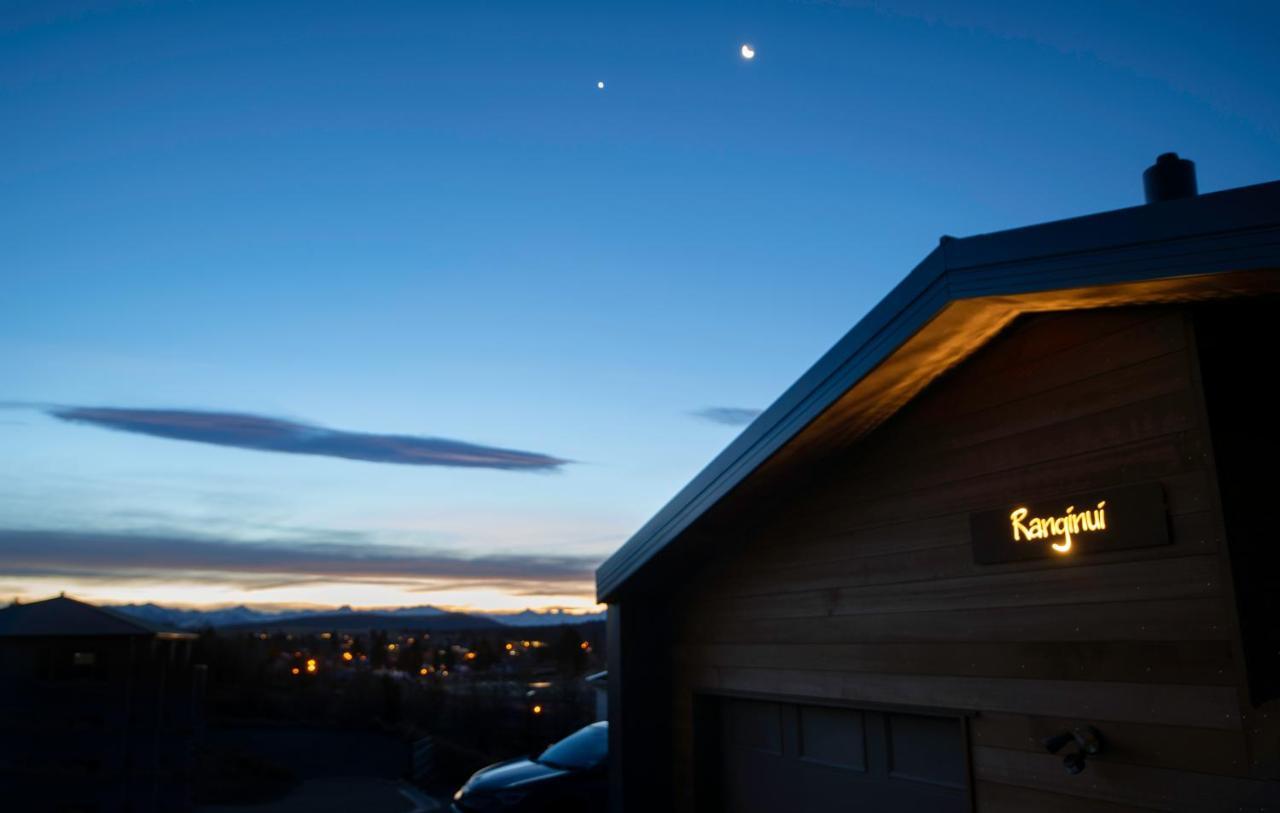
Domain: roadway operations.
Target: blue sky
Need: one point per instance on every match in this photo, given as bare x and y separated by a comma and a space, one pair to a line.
385, 221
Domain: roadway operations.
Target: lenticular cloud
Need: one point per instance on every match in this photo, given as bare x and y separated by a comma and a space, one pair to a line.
264, 434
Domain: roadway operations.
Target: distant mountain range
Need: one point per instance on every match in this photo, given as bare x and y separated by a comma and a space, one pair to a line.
424, 616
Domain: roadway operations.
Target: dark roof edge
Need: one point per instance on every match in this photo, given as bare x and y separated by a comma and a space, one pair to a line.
129, 625
837, 370
916, 300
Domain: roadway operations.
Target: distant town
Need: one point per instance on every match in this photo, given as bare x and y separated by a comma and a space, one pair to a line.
254, 707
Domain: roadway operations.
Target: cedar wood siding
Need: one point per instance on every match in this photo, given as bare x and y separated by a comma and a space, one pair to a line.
861, 588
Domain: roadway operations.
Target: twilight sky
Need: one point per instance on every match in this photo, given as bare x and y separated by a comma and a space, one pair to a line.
387, 303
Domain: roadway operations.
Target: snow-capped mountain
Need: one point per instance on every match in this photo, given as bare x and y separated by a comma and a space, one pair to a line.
542, 618
241, 615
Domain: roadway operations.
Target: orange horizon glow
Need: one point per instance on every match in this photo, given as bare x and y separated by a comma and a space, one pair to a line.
304, 598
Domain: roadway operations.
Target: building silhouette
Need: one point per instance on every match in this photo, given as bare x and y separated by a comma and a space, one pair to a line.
99, 712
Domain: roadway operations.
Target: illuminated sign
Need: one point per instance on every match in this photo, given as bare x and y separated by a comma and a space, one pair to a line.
1064, 528
1060, 528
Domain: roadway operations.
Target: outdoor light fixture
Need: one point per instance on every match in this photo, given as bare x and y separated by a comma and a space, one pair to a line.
1088, 741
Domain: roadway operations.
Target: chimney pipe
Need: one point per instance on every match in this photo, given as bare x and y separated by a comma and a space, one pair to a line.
1169, 178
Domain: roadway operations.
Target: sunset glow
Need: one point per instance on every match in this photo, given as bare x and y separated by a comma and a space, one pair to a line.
391, 310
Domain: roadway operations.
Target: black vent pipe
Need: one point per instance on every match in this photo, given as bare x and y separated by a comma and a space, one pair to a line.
1169, 178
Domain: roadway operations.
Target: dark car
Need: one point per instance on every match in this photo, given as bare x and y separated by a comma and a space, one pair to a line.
570, 776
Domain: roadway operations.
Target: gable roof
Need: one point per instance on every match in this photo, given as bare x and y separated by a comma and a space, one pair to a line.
66, 616
964, 292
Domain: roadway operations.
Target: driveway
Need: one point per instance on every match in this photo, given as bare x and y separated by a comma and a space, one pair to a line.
336, 770
342, 794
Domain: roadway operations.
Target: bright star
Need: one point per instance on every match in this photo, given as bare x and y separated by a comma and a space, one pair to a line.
599, 85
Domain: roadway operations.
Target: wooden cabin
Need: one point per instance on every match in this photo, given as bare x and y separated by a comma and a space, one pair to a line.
1005, 547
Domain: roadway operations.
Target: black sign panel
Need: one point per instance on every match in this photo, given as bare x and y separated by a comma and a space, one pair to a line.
1068, 527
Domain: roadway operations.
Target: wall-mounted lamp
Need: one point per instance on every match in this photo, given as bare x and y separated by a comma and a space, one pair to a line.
1088, 741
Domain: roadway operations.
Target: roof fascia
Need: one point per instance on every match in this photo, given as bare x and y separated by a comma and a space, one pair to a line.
1224, 231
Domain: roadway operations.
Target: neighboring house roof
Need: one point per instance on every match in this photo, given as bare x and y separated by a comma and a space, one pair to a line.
64, 616
959, 297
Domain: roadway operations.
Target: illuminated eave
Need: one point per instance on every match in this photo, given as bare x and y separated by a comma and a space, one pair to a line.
1219, 245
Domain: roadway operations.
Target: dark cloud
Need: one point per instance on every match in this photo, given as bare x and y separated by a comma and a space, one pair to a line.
729, 416
133, 557
275, 435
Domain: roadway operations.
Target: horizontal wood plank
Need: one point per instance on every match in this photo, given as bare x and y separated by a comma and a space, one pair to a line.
1196, 529
1159, 417
1030, 341
1177, 462
950, 577
1185, 662
970, 388
1160, 788
1199, 706
917, 441
1177, 620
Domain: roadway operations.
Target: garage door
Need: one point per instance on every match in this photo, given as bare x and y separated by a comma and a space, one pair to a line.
815, 759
